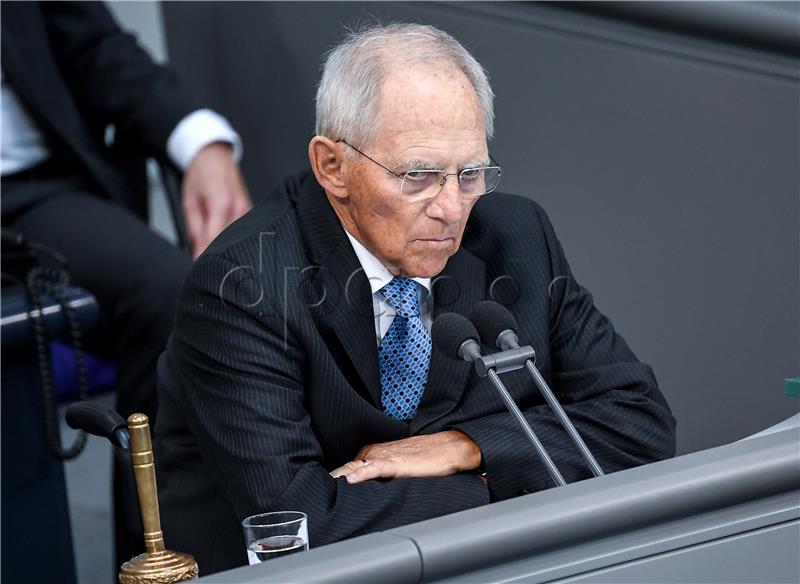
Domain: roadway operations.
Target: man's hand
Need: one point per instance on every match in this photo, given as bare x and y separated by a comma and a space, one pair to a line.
433, 455
214, 195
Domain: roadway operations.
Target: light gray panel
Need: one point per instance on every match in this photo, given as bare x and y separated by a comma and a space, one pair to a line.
377, 558
142, 18
596, 554
627, 501
764, 555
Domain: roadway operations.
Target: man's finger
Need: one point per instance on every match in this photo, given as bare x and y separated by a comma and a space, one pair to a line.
217, 207
215, 213
243, 205
193, 214
346, 468
358, 471
373, 469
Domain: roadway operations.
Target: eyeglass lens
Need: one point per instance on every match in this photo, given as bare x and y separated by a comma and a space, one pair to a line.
471, 181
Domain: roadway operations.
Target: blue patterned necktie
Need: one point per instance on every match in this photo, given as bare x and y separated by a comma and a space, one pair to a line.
404, 355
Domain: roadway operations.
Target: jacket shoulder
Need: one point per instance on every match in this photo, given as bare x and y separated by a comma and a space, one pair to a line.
505, 217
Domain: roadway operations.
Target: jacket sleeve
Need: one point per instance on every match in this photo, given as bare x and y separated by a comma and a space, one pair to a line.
113, 79
611, 397
241, 383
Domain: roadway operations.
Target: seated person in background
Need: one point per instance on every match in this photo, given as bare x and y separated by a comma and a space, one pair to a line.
68, 72
285, 385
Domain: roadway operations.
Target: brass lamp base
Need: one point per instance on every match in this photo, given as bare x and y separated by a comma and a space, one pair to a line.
163, 567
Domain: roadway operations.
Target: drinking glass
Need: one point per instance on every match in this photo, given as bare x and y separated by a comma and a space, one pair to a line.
273, 535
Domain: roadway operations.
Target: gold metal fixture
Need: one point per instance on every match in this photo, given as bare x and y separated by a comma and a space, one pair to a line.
157, 565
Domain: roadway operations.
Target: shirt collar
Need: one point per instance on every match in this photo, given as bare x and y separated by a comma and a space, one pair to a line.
377, 274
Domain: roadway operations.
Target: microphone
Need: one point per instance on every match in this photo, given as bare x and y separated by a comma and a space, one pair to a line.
95, 419
455, 336
460, 340
495, 322
107, 423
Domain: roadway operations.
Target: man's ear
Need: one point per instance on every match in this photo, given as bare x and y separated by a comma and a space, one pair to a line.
327, 158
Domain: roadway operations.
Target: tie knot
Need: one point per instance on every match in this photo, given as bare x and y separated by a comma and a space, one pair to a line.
401, 294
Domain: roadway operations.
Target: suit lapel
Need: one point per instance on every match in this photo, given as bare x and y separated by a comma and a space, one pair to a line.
352, 316
458, 288
338, 291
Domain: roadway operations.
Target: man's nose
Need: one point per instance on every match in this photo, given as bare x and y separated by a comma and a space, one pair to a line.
447, 206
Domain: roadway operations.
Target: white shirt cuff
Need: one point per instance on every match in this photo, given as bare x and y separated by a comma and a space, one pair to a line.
196, 131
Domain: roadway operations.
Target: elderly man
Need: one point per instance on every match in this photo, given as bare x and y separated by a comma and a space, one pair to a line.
301, 375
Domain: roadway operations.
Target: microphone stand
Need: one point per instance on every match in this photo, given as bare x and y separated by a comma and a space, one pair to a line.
523, 424
487, 366
514, 357
566, 423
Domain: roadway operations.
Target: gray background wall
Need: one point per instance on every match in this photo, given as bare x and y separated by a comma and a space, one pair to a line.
668, 163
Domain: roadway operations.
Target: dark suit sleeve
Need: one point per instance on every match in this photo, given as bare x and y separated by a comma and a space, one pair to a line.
611, 397
113, 79
241, 386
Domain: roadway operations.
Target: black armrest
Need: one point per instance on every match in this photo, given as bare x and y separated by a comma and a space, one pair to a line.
16, 311
171, 178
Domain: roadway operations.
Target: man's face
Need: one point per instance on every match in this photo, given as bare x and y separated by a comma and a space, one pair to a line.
430, 119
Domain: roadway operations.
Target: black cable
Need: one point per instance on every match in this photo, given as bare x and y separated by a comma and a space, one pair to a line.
41, 281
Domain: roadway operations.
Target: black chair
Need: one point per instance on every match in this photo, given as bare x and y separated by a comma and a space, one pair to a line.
37, 540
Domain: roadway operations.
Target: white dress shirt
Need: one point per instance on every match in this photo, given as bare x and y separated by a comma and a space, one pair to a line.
22, 143
198, 130
378, 277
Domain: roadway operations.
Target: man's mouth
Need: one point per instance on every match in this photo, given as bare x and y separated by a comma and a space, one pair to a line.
437, 240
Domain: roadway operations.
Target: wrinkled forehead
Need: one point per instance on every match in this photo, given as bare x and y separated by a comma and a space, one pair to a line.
423, 96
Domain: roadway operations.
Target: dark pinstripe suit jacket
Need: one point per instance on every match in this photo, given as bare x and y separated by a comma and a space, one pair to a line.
271, 379
76, 72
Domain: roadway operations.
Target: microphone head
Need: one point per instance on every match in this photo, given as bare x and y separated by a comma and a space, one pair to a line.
492, 318
450, 330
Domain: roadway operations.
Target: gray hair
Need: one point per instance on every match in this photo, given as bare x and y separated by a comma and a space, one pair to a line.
349, 90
